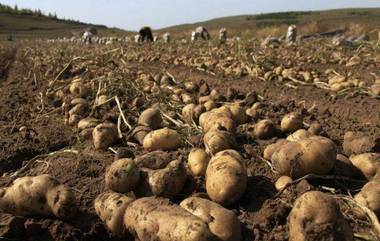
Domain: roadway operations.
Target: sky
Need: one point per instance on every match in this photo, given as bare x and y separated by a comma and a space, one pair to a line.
131, 14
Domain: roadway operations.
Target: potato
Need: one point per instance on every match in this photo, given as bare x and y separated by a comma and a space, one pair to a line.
220, 118
39, 195
77, 101
218, 140
153, 218
282, 182
291, 122
299, 135
226, 178
151, 118
264, 129
238, 113
140, 132
272, 148
187, 99
101, 100
367, 163
315, 129
369, 197
88, 122
210, 105
222, 222
73, 120
164, 139
316, 216
192, 112
77, 88
79, 109
104, 135
167, 182
153, 160
204, 99
122, 176
198, 161
355, 143
315, 154
110, 207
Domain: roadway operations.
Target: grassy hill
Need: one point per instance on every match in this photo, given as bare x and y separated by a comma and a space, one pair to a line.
27, 24
356, 20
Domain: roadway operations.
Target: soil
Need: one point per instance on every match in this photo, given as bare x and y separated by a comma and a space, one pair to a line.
29, 128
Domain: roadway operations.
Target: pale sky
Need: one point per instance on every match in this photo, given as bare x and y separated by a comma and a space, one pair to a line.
131, 14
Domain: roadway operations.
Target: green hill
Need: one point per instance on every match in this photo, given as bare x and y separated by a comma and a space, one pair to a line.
356, 20
25, 24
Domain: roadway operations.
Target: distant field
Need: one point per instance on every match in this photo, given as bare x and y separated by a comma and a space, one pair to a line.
356, 20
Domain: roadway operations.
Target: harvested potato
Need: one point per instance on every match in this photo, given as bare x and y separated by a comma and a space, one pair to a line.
167, 182
264, 129
110, 207
151, 118
210, 105
315, 154
198, 161
316, 216
74, 120
192, 112
88, 122
102, 100
238, 113
187, 99
153, 218
282, 182
218, 140
291, 122
77, 88
226, 178
122, 176
139, 133
217, 119
164, 139
299, 135
344, 167
269, 150
79, 109
369, 197
39, 195
355, 143
153, 160
315, 129
104, 135
367, 163
222, 222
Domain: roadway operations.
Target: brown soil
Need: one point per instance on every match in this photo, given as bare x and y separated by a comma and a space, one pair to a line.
263, 216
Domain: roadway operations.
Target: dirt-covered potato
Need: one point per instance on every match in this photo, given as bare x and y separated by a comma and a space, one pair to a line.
104, 135
167, 182
269, 150
122, 176
255, 111
291, 122
192, 112
299, 135
110, 207
264, 129
356, 143
315, 154
218, 140
316, 216
187, 98
198, 161
367, 163
79, 109
153, 160
210, 105
151, 118
139, 133
39, 195
226, 178
164, 139
238, 113
222, 222
217, 119
315, 129
88, 122
369, 197
282, 182
152, 218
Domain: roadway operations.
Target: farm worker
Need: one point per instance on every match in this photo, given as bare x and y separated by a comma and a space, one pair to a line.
137, 38
202, 32
166, 37
146, 34
291, 35
87, 37
223, 36
193, 36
